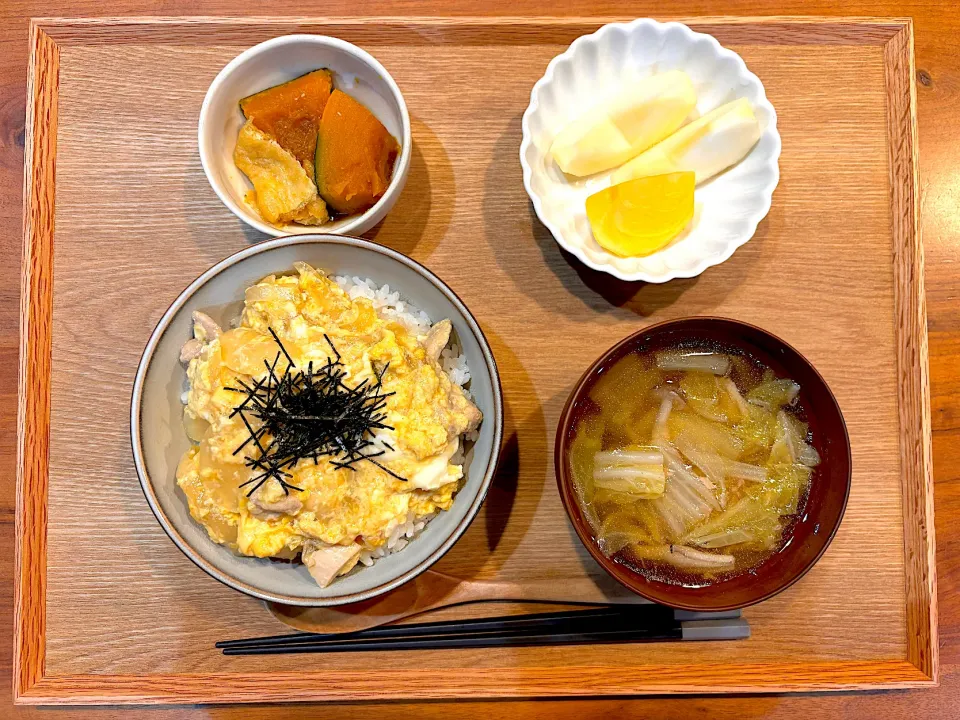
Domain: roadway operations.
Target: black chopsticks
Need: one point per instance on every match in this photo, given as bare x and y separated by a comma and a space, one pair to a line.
601, 624
510, 623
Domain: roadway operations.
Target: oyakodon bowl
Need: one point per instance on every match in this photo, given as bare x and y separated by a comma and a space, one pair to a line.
830, 483
159, 439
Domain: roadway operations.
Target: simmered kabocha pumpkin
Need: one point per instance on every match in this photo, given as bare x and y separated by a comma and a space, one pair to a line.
294, 128
291, 113
355, 155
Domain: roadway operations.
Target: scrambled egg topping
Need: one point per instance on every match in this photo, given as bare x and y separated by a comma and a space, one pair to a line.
338, 512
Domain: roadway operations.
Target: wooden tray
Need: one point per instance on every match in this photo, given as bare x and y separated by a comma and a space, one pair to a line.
109, 611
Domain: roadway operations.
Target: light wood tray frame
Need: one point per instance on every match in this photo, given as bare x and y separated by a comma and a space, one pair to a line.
902, 652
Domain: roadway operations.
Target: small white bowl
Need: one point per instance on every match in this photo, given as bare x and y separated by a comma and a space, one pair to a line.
729, 206
270, 63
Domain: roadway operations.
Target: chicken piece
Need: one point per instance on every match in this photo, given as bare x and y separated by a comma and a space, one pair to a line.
268, 510
191, 349
325, 562
437, 339
464, 415
205, 328
473, 416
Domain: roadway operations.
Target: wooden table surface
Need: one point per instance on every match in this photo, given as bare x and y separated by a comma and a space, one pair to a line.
937, 26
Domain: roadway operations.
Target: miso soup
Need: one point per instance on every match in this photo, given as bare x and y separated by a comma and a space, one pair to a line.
691, 465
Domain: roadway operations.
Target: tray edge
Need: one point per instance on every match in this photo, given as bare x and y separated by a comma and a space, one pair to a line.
33, 401
912, 358
859, 30
31, 686
479, 683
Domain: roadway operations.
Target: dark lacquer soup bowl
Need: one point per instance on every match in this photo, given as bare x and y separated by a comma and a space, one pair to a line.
810, 530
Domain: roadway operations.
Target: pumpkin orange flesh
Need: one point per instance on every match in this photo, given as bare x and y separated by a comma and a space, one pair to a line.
355, 155
291, 113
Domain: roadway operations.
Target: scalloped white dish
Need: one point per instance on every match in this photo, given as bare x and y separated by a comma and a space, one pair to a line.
728, 207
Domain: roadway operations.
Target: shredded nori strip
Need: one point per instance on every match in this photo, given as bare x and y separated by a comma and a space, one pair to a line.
310, 414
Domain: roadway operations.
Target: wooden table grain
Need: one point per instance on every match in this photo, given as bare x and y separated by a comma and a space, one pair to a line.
938, 65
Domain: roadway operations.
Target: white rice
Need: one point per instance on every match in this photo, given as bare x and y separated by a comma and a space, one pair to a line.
389, 305
454, 364
400, 537
386, 302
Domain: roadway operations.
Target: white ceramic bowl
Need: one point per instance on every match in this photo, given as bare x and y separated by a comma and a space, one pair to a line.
270, 63
159, 440
729, 206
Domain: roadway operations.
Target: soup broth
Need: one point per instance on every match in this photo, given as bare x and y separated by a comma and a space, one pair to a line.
691, 465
